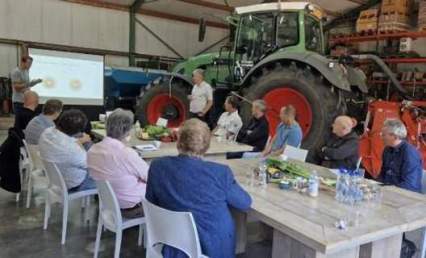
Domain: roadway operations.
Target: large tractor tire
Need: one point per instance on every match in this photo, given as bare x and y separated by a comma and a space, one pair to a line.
159, 101
315, 103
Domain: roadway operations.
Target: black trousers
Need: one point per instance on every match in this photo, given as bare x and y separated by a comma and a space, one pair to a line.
206, 118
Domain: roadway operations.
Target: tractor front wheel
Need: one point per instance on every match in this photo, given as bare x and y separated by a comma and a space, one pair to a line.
316, 105
160, 101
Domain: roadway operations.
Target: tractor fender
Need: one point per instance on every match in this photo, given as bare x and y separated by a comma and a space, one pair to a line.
171, 77
335, 74
357, 78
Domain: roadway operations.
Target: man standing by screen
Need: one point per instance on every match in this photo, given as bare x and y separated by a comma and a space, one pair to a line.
21, 82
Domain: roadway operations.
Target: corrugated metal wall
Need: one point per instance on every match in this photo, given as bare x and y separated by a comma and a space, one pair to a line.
58, 22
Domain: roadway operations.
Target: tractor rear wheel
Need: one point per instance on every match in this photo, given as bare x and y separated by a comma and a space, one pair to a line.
159, 101
315, 102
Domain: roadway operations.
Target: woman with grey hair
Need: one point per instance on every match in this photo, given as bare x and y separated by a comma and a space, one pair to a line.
112, 160
401, 162
207, 189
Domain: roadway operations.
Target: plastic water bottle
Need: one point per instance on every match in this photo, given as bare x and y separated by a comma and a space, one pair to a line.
137, 125
350, 196
358, 193
313, 184
263, 177
340, 185
137, 128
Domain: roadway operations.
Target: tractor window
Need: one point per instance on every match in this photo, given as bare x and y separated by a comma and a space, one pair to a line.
288, 32
255, 36
313, 35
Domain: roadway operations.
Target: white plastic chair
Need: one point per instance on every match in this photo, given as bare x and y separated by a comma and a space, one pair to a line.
58, 192
176, 229
25, 167
35, 172
110, 218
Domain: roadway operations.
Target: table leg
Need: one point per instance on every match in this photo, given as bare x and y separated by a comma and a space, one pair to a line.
384, 248
286, 247
240, 220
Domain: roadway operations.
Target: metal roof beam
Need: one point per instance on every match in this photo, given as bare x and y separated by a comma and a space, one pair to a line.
207, 4
137, 4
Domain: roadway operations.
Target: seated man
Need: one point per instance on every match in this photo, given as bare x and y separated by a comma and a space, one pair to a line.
51, 111
112, 160
27, 112
288, 133
255, 133
229, 123
58, 145
341, 150
401, 162
207, 189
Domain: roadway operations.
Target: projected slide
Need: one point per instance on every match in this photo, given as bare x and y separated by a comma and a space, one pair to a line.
74, 78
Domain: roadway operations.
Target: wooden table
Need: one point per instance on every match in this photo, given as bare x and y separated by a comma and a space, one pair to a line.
217, 150
304, 226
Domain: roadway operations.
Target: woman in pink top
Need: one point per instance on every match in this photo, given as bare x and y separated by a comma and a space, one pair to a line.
113, 161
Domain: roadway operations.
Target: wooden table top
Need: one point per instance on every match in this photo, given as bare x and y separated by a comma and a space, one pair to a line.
169, 149
312, 220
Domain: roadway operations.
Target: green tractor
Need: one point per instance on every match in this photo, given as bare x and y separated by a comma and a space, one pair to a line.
277, 56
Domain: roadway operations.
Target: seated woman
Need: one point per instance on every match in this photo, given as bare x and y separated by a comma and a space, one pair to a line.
112, 160
207, 189
341, 150
230, 122
58, 145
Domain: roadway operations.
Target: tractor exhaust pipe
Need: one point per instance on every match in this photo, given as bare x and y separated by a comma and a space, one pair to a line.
385, 69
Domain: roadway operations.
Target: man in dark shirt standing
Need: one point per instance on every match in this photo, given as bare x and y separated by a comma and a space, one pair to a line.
27, 112
401, 162
256, 132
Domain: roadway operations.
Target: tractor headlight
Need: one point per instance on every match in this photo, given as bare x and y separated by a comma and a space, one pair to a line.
331, 65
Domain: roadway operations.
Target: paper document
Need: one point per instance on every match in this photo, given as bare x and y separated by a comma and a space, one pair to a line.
145, 147
162, 122
295, 153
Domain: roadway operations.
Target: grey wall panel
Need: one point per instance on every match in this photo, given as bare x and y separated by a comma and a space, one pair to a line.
118, 22
116, 61
180, 35
59, 22
8, 57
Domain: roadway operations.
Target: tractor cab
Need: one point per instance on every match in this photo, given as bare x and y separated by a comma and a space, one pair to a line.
266, 28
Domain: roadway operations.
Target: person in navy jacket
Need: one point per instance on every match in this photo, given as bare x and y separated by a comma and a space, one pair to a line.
206, 189
401, 162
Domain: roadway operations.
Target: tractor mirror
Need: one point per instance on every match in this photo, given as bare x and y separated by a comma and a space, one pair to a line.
202, 30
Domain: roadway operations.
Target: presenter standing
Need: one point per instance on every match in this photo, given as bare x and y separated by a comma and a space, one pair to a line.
201, 98
21, 82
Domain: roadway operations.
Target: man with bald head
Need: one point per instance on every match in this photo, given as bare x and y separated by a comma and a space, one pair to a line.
27, 112
341, 149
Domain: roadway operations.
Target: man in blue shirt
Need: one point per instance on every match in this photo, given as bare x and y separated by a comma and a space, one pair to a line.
51, 111
288, 132
401, 162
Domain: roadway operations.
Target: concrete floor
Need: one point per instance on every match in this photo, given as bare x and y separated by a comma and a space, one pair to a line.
22, 234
